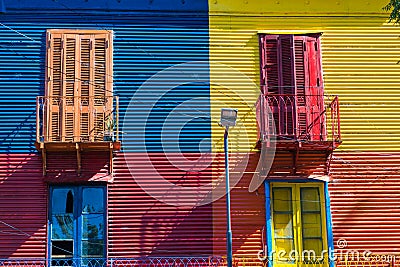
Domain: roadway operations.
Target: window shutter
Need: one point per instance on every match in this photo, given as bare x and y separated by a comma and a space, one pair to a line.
102, 87
85, 86
291, 67
54, 87
79, 85
287, 77
269, 64
301, 88
270, 77
70, 103
315, 91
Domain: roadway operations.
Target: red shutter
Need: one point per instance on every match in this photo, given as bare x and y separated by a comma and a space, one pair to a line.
301, 90
287, 85
270, 75
269, 64
314, 90
291, 67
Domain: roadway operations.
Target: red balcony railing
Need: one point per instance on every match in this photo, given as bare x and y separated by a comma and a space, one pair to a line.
299, 118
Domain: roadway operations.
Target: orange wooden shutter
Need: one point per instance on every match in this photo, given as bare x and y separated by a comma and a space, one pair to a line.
79, 87
53, 88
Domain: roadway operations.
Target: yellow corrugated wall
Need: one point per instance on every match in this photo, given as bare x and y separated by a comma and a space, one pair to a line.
360, 51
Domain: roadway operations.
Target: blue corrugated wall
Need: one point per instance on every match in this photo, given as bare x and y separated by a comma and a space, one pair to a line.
145, 43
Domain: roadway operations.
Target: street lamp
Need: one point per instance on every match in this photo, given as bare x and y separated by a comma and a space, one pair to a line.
228, 118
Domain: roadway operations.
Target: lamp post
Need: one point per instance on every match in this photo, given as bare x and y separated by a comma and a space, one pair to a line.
228, 118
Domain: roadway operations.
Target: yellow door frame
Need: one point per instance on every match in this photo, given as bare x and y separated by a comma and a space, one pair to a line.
297, 225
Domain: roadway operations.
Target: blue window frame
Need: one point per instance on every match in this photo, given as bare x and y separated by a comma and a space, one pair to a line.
77, 222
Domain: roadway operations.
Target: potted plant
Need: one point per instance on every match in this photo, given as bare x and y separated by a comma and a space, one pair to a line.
109, 129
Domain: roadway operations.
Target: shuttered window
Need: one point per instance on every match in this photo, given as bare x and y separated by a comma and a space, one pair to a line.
291, 71
79, 85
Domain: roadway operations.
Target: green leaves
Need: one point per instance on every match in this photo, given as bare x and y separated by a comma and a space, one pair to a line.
394, 7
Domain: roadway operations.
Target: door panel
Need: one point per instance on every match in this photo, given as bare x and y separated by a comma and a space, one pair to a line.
299, 228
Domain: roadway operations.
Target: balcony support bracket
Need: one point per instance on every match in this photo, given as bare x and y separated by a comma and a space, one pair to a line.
44, 159
296, 157
78, 159
328, 162
110, 165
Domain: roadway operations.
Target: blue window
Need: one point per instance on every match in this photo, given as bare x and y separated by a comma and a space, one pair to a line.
77, 220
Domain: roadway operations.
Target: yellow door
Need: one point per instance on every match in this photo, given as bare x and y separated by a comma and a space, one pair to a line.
298, 220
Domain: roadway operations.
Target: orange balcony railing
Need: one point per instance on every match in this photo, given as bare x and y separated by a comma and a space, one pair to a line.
77, 119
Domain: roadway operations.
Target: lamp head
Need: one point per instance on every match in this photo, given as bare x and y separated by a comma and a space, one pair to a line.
228, 117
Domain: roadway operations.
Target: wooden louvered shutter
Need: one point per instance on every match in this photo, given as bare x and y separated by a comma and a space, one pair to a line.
309, 88
102, 88
291, 67
270, 73
269, 64
287, 84
54, 88
79, 87
314, 89
301, 87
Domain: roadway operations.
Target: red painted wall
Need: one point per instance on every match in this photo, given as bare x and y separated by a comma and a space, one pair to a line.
365, 201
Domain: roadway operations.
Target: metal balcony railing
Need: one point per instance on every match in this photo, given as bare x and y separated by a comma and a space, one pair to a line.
299, 118
77, 119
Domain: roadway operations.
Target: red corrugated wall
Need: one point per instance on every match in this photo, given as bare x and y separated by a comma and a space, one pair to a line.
248, 216
364, 191
23, 203
365, 201
140, 225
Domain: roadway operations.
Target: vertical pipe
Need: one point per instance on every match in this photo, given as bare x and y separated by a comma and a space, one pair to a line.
228, 203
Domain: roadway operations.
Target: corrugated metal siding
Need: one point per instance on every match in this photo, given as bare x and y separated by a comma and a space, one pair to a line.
140, 225
247, 212
23, 205
144, 44
108, 5
359, 57
359, 53
365, 198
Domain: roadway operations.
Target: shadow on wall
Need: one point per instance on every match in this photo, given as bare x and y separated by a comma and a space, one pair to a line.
23, 197
23, 204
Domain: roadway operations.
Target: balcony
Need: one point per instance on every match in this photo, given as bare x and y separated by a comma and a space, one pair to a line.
77, 124
302, 128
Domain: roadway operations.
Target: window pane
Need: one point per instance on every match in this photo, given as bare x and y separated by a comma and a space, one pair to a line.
62, 249
62, 200
93, 248
93, 226
311, 225
310, 200
311, 220
313, 244
285, 245
283, 225
62, 226
283, 222
92, 200
282, 199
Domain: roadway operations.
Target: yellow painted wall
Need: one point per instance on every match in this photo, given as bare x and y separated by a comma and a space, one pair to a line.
359, 50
